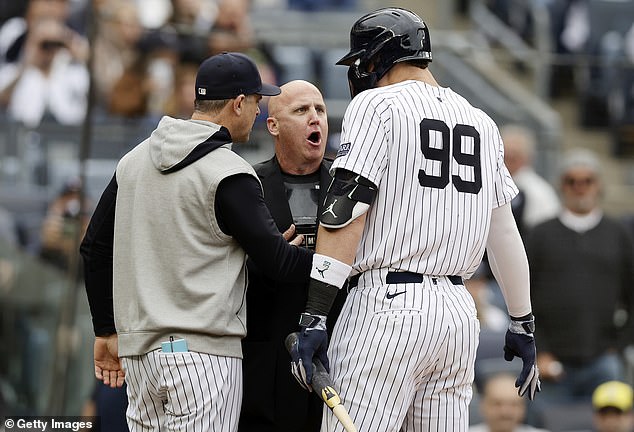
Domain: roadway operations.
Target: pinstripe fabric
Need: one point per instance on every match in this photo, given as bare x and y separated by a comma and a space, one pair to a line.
193, 392
429, 230
405, 364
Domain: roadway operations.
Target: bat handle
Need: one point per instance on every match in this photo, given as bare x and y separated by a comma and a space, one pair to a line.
344, 418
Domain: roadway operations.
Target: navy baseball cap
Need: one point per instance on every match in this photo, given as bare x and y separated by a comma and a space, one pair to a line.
229, 74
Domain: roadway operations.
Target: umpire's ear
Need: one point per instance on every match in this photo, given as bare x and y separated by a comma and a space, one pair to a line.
273, 126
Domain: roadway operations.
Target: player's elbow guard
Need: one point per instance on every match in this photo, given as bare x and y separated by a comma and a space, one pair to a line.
348, 197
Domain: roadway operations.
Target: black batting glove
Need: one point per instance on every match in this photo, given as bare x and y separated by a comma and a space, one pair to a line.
520, 342
312, 341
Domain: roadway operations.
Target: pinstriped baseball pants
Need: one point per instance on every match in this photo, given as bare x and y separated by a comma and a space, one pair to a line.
187, 391
405, 363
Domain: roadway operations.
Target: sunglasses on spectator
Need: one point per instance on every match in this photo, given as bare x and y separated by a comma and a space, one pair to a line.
582, 181
49, 45
609, 410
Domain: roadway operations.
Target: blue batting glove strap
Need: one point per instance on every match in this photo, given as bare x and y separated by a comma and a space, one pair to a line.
312, 341
520, 342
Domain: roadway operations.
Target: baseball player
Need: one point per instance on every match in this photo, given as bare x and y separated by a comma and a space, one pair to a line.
165, 258
419, 191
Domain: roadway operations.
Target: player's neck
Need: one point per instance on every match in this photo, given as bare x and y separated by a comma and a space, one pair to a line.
403, 72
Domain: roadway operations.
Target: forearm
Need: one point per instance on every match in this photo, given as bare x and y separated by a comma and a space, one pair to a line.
341, 245
508, 262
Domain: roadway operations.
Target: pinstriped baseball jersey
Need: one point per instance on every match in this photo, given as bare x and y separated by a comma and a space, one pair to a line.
438, 163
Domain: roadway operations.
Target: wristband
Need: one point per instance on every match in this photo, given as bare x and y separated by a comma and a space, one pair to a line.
329, 270
523, 325
312, 321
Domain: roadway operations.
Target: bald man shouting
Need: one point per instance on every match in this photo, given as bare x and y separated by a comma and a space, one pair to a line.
295, 181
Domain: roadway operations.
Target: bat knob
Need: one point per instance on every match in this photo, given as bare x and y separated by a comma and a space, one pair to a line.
330, 396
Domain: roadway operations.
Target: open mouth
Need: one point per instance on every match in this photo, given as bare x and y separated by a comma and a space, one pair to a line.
314, 137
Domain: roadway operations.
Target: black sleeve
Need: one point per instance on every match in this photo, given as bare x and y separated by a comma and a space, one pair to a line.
243, 214
96, 252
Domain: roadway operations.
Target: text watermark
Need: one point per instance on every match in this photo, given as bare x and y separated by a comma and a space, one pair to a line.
49, 423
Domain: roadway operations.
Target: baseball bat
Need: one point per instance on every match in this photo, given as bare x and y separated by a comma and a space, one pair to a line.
324, 388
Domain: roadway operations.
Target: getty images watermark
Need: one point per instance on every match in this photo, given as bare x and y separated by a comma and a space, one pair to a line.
48, 423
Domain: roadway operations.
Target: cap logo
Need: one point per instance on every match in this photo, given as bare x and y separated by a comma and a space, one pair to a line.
225, 76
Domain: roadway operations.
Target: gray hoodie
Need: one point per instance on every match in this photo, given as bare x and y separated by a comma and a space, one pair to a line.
192, 285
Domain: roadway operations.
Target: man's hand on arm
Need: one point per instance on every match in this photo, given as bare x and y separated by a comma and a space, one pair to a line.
298, 240
107, 365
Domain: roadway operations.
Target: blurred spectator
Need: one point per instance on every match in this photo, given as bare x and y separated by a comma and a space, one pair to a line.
115, 45
538, 200
13, 33
45, 75
232, 30
192, 21
147, 83
576, 26
612, 403
481, 285
581, 277
180, 102
194, 15
502, 409
59, 228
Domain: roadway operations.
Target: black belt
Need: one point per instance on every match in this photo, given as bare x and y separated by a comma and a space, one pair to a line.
402, 277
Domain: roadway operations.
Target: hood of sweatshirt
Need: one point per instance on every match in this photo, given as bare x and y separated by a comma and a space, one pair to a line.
177, 143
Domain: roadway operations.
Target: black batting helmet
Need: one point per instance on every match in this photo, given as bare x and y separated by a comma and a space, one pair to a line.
382, 38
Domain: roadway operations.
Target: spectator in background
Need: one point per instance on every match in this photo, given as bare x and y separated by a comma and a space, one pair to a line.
481, 286
46, 76
180, 102
581, 276
192, 21
146, 84
13, 32
59, 228
116, 45
195, 16
232, 30
502, 409
612, 403
537, 200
